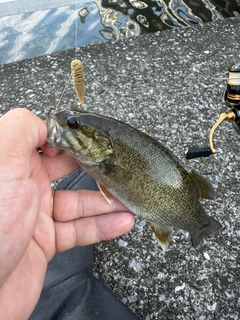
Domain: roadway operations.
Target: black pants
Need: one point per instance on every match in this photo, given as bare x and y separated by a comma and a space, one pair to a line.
70, 290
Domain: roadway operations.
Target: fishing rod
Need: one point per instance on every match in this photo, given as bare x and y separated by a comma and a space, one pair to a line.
232, 100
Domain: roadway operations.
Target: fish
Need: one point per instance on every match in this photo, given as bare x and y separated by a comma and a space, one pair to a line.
78, 79
137, 170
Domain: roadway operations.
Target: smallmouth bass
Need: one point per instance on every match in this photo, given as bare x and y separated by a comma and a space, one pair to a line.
136, 169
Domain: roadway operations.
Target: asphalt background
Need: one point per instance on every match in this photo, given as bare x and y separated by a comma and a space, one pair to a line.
170, 85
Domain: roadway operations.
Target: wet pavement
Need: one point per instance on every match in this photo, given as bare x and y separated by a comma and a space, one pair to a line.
169, 85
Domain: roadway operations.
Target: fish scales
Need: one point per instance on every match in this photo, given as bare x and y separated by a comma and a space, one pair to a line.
136, 162
137, 170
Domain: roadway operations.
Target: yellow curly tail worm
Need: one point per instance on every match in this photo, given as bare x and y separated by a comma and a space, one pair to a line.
78, 79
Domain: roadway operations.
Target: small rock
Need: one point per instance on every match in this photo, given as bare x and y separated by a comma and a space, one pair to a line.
137, 266
122, 243
132, 298
224, 282
162, 297
151, 270
212, 307
29, 91
178, 288
206, 256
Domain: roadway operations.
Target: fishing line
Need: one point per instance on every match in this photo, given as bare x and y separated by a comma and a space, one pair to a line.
76, 24
76, 54
64, 89
226, 78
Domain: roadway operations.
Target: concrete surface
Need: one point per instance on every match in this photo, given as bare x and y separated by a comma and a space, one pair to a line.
171, 86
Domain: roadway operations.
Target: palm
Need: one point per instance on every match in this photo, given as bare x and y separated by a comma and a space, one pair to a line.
37, 237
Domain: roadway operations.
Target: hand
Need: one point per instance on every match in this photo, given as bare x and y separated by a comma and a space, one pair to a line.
31, 230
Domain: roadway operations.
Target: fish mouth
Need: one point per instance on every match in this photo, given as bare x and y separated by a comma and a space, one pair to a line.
54, 132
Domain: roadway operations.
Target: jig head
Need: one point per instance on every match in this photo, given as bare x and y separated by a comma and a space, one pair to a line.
232, 100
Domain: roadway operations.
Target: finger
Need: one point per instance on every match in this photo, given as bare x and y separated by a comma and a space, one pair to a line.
74, 204
50, 151
85, 231
60, 165
20, 133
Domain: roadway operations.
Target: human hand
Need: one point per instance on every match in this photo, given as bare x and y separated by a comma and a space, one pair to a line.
31, 229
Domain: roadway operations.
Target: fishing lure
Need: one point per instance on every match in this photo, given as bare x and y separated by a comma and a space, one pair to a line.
78, 79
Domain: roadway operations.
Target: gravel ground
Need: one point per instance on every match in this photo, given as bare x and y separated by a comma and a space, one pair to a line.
170, 85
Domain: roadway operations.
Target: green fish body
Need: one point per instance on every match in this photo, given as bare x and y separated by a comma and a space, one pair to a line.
136, 169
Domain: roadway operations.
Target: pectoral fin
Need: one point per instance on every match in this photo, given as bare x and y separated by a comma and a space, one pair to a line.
115, 173
162, 233
107, 195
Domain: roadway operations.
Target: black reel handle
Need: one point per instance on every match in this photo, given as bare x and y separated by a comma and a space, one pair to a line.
197, 152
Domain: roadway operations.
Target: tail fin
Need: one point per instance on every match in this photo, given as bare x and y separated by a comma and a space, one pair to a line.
212, 227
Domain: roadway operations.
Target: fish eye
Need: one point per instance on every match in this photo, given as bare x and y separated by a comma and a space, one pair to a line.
72, 123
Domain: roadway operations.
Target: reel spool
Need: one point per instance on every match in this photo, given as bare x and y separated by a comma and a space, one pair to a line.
232, 100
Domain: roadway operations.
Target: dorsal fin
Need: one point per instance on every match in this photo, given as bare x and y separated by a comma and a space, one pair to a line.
203, 186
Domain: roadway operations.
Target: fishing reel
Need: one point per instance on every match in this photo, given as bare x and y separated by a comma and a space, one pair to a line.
232, 100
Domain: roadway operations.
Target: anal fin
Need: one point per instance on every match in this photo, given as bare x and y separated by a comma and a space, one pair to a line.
162, 233
107, 194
